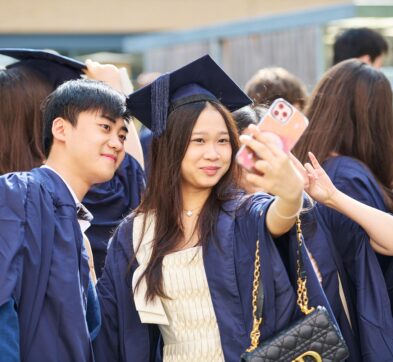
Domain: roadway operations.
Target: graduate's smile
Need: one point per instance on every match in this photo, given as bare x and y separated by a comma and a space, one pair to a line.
110, 156
210, 170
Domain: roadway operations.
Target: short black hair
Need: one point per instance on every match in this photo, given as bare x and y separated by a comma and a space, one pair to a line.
76, 96
244, 117
248, 115
356, 42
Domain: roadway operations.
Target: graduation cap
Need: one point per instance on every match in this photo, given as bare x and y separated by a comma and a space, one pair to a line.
200, 80
55, 68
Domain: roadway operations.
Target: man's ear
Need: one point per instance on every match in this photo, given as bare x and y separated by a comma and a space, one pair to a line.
366, 59
59, 129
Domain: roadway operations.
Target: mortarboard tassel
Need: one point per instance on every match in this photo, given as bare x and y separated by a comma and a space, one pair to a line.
159, 104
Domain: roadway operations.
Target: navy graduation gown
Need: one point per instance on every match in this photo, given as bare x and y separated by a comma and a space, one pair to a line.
43, 266
229, 270
229, 265
337, 243
110, 202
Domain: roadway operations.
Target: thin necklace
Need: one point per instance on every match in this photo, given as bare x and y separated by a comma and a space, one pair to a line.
190, 212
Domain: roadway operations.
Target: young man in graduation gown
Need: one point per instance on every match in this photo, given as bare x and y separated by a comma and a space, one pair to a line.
110, 201
47, 305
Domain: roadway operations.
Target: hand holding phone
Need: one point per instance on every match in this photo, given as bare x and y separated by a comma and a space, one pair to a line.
282, 119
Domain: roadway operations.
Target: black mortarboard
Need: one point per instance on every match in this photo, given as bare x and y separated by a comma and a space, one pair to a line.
202, 79
55, 68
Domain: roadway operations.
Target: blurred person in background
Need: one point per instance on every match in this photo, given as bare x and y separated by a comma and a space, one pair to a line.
244, 117
364, 44
268, 84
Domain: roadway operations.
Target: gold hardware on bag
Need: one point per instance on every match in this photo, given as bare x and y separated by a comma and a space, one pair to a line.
302, 294
315, 355
302, 298
255, 333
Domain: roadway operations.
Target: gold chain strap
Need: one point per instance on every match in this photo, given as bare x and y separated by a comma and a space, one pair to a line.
255, 333
302, 294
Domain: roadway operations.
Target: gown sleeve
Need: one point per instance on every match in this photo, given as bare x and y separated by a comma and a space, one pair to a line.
279, 307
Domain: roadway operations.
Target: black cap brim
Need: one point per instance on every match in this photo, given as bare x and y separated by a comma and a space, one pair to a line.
55, 68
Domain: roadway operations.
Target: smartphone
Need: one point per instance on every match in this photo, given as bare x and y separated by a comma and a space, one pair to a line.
282, 119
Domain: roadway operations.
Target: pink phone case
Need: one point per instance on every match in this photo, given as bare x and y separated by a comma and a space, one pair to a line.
282, 119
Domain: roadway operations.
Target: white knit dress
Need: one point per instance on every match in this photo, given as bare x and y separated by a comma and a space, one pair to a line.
192, 333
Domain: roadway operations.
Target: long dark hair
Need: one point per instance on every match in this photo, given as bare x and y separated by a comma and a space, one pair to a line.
351, 114
163, 195
21, 95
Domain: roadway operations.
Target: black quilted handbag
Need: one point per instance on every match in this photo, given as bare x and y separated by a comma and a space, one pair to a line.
314, 338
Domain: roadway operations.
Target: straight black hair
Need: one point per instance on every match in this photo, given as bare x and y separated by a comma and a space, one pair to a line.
163, 195
77, 96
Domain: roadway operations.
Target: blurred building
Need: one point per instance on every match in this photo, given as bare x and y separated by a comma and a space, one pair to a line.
160, 35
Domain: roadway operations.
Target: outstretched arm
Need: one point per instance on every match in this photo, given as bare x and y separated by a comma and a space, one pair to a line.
377, 224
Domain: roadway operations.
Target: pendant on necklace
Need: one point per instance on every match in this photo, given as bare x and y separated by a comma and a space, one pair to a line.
189, 213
